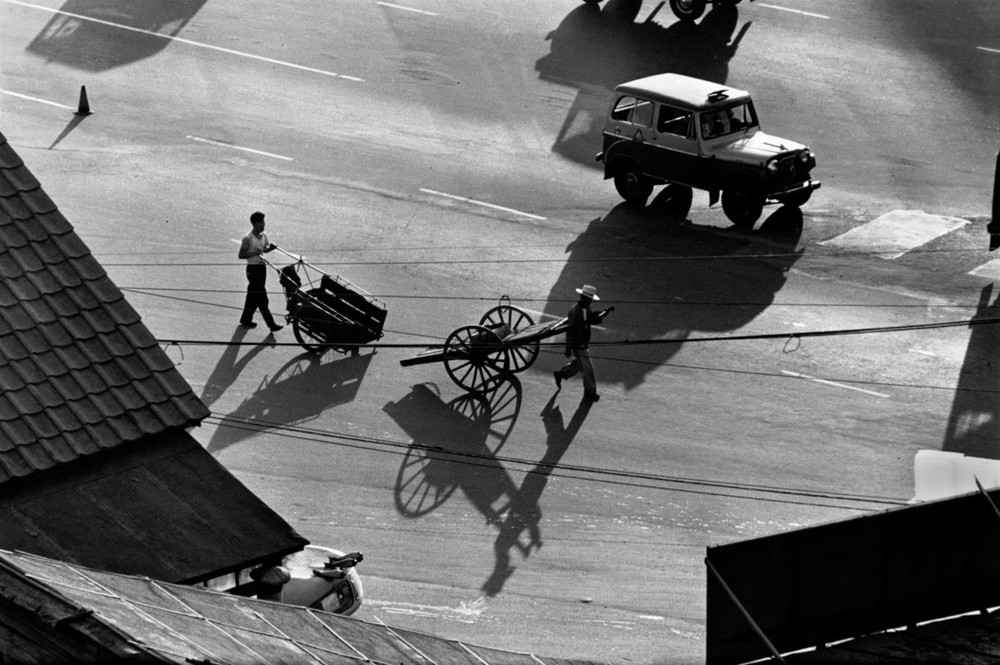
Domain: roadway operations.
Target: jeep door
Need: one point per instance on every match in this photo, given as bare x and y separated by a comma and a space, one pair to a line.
628, 128
673, 146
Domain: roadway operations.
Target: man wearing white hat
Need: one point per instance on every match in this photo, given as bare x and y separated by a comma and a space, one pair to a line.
580, 319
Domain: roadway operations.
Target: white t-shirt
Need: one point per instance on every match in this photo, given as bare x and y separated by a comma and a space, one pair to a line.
255, 246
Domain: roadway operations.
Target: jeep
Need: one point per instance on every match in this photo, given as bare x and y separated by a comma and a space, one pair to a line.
695, 134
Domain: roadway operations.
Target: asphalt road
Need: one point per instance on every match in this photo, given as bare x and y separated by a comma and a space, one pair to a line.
440, 155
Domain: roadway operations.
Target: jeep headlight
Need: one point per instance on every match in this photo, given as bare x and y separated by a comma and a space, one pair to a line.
772, 166
805, 156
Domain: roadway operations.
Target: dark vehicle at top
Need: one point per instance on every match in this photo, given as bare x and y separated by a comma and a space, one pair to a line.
686, 10
695, 134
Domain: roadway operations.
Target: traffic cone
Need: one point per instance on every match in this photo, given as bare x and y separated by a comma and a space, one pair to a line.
84, 108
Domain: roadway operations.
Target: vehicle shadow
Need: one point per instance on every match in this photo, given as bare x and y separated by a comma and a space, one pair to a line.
455, 446
668, 279
88, 34
595, 49
974, 424
302, 390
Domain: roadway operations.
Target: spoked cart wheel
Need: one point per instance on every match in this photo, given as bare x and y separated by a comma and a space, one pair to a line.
505, 316
475, 358
305, 337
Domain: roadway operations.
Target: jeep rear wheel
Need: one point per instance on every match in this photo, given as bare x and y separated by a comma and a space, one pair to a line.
633, 186
688, 10
742, 208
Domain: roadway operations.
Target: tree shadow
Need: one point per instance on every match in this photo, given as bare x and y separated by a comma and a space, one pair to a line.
595, 49
303, 389
974, 424
668, 280
104, 34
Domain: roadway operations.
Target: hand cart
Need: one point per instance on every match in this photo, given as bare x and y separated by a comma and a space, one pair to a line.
327, 311
506, 341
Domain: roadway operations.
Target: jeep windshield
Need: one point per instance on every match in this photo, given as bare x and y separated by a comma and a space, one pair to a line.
729, 120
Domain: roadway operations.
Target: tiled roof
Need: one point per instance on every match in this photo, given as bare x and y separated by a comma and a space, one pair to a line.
79, 371
148, 621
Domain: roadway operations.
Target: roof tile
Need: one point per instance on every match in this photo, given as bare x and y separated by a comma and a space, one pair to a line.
79, 371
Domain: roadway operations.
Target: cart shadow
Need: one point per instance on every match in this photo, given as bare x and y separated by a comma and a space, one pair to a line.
455, 446
595, 49
302, 390
974, 424
668, 280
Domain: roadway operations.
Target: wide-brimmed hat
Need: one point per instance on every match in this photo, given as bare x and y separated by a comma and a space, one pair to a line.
589, 291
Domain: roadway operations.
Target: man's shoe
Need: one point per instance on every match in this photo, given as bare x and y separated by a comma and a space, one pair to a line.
249, 324
593, 397
275, 328
558, 379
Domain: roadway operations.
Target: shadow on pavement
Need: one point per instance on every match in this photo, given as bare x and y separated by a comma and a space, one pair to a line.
974, 423
89, 34
668, 279
455, 446
595, 49
299, 392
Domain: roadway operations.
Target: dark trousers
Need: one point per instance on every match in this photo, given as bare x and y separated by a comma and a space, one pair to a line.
257, 295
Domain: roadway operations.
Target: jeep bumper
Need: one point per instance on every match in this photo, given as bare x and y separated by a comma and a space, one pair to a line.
796, 188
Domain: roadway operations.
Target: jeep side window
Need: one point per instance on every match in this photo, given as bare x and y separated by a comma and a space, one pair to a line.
675, 121
636, 111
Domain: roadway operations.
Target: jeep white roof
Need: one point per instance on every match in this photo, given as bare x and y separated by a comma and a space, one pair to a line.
683, 91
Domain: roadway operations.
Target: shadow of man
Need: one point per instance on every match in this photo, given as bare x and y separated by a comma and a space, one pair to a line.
974, 424
522, 513
229, 367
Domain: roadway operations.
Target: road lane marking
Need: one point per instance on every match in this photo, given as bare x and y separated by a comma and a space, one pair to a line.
408, 9
223, 144
988, 50
37, 99
833, 383
189, 42
895, 233
465, 199
793, 11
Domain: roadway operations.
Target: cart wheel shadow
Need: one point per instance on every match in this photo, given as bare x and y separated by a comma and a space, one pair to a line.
303, 389
454, 445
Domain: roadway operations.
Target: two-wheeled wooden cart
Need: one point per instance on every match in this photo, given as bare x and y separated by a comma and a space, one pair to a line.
478, 357
327, 311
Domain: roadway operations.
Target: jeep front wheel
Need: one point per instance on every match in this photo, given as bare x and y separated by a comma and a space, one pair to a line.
742, 208
633, 186
688, 10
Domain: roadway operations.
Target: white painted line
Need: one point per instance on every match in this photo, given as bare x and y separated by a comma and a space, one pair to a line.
793, 11
186, 41
833, 383
988, 50
895, 233
465, 199
408, 9
36, 99
236, 147
989, 270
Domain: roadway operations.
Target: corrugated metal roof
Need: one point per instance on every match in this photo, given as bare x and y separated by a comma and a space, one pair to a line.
79, 371
179, 624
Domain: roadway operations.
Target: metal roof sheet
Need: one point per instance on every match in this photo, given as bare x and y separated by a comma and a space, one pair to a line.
681, 90
179, 624
57, 308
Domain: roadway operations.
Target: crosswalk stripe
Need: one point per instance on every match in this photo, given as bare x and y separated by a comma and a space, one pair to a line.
895, 233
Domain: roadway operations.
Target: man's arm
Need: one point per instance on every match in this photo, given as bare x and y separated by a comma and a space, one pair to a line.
245, 248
